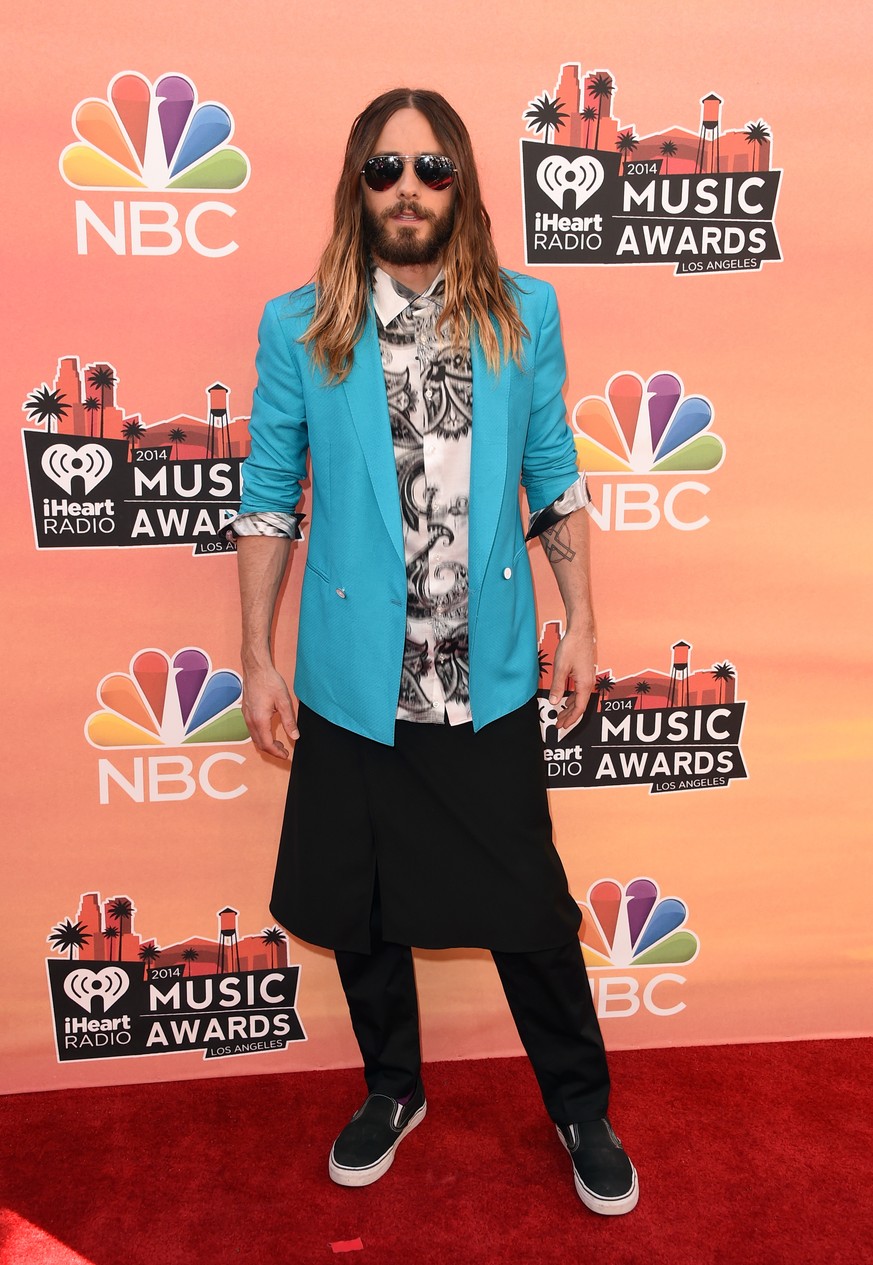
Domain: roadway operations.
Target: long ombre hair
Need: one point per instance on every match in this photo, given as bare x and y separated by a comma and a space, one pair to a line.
476, 288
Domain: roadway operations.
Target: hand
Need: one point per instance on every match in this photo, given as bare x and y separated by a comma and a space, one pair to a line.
265, 695
573, 677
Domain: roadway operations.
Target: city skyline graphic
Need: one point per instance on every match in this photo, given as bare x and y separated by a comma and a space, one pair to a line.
82, 402
580, 116
677, 686
103, 932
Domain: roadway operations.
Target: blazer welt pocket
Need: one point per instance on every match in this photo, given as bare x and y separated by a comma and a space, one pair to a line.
310, 566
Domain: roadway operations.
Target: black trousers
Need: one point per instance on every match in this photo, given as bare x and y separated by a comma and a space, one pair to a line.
550, 1001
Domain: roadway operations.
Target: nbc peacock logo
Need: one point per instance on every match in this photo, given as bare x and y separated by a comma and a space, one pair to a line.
146, 138
628, 926
634, 926
646, 427
153, 136
166, 701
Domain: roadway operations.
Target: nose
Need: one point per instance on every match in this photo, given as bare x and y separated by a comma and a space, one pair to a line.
409, 185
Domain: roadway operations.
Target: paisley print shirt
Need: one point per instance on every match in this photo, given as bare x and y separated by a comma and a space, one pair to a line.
430, 404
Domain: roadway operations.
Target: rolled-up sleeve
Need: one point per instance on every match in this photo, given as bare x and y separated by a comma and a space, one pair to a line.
549, 464
276, 464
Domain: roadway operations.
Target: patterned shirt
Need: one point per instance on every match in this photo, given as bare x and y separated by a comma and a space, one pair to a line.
430, 404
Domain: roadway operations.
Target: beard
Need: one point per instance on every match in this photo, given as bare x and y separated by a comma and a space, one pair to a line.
405, 245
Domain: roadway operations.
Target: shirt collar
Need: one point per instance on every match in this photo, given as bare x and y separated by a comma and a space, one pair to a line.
390, 297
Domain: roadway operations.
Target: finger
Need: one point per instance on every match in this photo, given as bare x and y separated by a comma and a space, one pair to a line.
261, 730
571, 711
558, 690
288, 719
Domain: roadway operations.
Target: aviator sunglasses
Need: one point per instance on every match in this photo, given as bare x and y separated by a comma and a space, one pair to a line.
384, 170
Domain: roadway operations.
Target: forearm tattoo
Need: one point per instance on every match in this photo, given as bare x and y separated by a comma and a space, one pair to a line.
556, 542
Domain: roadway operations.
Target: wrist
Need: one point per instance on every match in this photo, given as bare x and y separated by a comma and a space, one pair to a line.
582, 632
256, 659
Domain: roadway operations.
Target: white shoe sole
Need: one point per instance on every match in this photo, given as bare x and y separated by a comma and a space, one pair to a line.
366, 1176
596, 1203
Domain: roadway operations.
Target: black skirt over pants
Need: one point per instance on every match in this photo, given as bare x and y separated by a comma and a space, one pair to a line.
455, 822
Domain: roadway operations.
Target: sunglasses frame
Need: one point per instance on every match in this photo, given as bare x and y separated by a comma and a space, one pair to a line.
414, 159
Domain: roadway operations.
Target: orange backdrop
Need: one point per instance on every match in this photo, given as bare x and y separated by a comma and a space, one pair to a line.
731, 908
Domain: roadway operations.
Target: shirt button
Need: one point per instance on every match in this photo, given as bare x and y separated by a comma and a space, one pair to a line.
340, 592
507, 573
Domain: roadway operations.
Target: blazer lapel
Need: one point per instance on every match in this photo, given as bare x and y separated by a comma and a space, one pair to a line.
491, 394
368, 403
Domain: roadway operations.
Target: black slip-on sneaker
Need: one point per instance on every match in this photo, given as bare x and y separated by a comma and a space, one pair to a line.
606, 1181
364, 1151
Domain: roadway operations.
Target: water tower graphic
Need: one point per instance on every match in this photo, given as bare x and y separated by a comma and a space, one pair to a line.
708, 149
228, 940
677, 695
217, 438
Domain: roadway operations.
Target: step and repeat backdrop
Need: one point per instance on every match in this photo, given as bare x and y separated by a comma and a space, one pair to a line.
678, 175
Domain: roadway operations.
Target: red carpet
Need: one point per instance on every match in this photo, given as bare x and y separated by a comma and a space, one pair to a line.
746, 1155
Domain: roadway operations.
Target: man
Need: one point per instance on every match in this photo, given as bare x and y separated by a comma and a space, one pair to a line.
424, 383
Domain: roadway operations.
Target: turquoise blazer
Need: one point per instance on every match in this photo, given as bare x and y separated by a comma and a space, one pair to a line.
353, 604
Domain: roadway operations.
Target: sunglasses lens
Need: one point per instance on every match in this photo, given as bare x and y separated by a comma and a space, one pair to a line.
382, 171
434, 170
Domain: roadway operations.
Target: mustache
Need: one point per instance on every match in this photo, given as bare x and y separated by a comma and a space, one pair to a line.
401, 208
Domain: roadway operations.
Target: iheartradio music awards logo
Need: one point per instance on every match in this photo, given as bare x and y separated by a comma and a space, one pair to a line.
595, 192
118, 994
671, 730
632, 928
166, 701
99, 477
642, 428
147, 138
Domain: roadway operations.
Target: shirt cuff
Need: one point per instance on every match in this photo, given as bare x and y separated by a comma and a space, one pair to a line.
267, 523
576, 497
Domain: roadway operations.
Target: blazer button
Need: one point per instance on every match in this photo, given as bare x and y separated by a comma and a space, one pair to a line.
507, 573
340, 592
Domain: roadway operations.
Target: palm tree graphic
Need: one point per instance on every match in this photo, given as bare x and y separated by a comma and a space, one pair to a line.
132, 431
589, 114
178, 436
190, 955
545, 115
273, 937
91, 406
544, 663
603, 684
641, 688
148, 955
68, 936
110, 934
758, 134
122, 911
626, 144
723, 672
601, 89
44, 407
102, 379
668, 149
